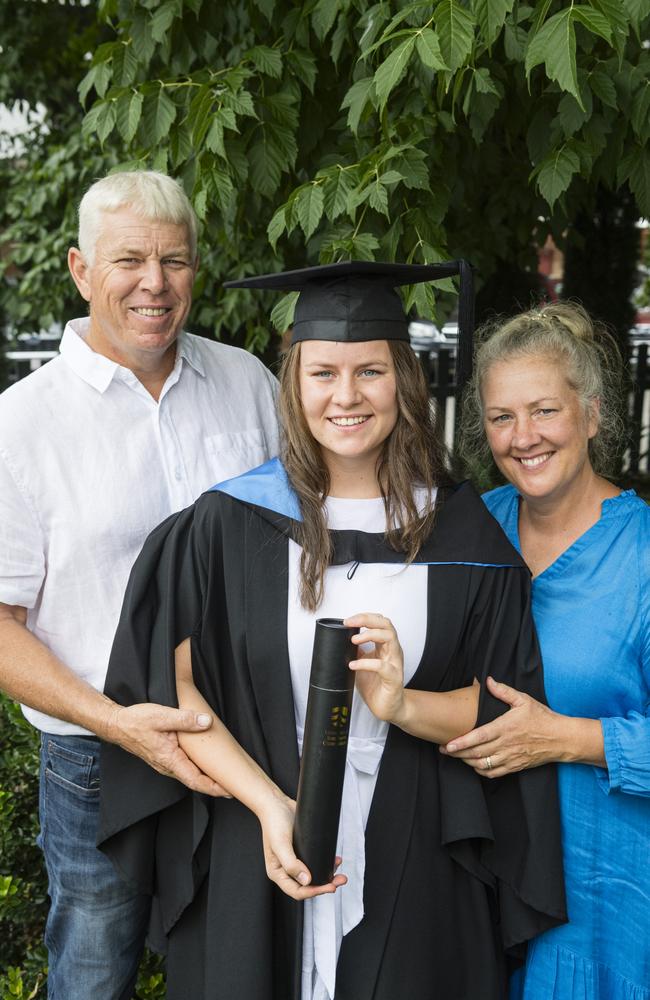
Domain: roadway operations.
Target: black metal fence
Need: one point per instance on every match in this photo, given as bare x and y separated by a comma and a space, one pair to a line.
440, 369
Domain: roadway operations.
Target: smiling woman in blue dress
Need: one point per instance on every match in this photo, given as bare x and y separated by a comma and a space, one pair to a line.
543, 401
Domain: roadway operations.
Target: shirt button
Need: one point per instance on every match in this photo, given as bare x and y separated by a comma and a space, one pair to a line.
178, 474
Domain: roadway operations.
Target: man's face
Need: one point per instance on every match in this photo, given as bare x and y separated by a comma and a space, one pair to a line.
139, 287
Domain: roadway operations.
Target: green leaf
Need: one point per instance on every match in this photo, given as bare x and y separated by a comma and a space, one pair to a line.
363, 246
241, 103
378, 198
163, 18
491, 16
200, 203
266, 163
283, 311
594, 21
143, 41
614, 11
106, 121
555, 172
572, 116
484, 83
125, 66
222, 188
391, 71
267, 60
356, 100
455, 31
304, 66
266, 6
336, 190
214, 138
555, 46
103, 78
641, 112
129, 110
640, 179
309, 207
339, 38
603, 87
323, 17
181, 146
159, 113
428, 48
276, 226
637, 10
515, 39
391, 177
413, 165
87, 83
200, 114
92, 119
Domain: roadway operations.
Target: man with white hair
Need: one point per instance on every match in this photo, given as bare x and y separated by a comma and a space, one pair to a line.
130, 423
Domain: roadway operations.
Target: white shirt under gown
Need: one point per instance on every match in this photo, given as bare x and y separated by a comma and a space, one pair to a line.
400, 594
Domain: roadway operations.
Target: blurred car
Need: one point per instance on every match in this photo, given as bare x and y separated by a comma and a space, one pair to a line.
436, 349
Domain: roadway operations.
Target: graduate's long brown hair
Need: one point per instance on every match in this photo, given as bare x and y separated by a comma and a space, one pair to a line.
413, 455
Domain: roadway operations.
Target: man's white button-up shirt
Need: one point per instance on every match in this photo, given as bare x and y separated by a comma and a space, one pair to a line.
90, 463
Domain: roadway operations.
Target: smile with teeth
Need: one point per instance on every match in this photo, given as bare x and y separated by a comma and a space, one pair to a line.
347, 421
531, 463
150, 310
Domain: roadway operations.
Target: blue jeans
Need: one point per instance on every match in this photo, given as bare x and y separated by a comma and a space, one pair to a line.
96, 925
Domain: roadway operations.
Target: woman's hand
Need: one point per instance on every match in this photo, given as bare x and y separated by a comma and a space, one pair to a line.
526, 736
282, 865
380, 677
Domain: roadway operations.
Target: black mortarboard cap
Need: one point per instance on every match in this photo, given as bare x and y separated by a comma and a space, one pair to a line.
355, 301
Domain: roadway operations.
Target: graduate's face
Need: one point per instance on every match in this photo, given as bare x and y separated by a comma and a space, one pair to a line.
139, 286
349, 399
536, 427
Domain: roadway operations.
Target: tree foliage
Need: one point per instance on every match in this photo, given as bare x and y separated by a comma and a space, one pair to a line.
335, 129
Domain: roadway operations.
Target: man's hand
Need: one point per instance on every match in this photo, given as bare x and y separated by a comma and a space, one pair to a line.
150, 732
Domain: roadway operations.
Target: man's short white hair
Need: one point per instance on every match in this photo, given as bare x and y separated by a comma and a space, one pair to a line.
151, 195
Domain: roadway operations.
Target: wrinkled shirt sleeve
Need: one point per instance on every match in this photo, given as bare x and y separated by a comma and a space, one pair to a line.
22, 559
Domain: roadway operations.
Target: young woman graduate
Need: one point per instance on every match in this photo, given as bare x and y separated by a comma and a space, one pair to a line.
446, 873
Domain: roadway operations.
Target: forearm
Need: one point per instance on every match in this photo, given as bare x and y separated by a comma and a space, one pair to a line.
438, 716
32, 674
218, 754
577, 741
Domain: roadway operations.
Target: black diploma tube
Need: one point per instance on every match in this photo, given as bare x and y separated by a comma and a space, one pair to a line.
322, 769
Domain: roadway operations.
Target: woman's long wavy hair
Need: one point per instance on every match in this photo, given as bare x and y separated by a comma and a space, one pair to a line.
413, 455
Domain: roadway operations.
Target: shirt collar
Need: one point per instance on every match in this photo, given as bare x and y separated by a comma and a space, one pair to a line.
99, 371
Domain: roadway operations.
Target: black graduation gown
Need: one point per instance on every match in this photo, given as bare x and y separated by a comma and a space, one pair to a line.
459, 870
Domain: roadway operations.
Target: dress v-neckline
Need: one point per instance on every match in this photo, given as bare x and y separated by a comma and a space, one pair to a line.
582, 542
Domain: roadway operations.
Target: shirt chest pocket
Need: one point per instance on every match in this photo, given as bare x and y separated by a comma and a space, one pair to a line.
235, 452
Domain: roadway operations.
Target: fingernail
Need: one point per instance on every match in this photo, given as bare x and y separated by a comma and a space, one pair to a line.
203, 720
451, 747
303, 878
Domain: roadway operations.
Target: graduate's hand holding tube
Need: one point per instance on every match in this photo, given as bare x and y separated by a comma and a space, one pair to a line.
436, 716
380, 672
282, 865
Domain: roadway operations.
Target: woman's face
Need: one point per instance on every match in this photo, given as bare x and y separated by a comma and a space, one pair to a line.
349, 399
536, 427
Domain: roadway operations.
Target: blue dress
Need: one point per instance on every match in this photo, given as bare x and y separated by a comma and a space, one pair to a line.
592, 612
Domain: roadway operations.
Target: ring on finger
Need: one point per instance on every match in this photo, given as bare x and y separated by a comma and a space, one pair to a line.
488, 763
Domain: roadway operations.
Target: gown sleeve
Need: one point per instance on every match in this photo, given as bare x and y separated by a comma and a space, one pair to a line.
506, 831
163, 605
